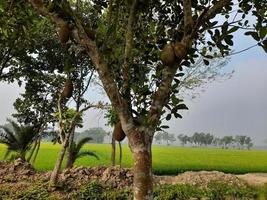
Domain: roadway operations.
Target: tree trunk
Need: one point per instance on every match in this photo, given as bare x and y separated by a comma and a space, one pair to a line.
32, 151
120, 153
70, 160
36, 151
54, 176
113, 152
140, 144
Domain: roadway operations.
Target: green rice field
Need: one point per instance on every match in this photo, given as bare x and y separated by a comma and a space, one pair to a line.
166, 159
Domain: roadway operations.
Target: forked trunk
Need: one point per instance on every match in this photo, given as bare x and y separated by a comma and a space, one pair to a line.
142, 157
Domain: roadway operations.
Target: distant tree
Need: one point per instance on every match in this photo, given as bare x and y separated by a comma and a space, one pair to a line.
216, 141
196, 139
240, 141
184, 139
75, 151
18, 138
208, 139
169, 138
97, 134
158, 137
226, 141
248, 142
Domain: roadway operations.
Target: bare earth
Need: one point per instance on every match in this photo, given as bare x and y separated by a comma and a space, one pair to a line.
254, 178
204, 177
117, 177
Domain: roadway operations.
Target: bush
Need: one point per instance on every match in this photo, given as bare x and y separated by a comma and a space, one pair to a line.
177, 192
91, 191
220, 190
36, 192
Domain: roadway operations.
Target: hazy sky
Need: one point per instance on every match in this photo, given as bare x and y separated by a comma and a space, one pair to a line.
235, 106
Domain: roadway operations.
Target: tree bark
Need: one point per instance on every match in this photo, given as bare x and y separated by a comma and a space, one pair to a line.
36, 151
54, 176
70, 161
120, 153
113, 152
32, 151
140, 145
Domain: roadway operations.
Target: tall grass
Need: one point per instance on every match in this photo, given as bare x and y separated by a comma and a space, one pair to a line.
166, 160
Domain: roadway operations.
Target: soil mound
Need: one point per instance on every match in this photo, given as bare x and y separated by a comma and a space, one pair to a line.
202, 178
117, 177
112, 176
16, 171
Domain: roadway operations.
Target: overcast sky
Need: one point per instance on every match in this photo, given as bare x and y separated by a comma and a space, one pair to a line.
235, 106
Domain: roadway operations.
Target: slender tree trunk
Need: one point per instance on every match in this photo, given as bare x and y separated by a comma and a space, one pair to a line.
36, 150
140, 145
113, 152
70, 160
120, 153
54, 176
32, 150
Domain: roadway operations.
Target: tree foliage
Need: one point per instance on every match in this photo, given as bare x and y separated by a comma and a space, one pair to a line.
18, 138
127, 41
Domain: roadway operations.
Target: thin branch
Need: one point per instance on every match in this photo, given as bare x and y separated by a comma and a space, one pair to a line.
188, 20
209, 13
88, 83
128, 49
243, 50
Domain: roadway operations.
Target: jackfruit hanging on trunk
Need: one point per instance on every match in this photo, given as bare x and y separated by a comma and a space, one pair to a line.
118, 133
68, 89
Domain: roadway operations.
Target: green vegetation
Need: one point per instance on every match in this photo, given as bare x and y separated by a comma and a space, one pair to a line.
94, 190
166, 160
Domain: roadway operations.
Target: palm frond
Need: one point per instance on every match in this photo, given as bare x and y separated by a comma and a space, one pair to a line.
8, 133
7, 153
18, 139
86, 153
82, 142
15, 126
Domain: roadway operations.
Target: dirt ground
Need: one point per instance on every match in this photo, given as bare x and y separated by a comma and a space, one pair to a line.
120, 177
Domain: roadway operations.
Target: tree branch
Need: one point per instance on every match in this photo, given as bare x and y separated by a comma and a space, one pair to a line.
128, 49
188, 21
208, 14
79, 34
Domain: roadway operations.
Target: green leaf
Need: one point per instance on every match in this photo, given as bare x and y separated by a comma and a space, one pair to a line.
181, 107
164, 127
229, 41
253, 34
206, 62
177, 115
179, 74
168, 117
263, 32
233, 29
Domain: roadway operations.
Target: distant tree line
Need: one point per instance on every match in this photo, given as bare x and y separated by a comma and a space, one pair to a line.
164, 137
207, 139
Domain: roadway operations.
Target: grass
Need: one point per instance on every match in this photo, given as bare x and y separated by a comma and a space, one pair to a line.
166, 159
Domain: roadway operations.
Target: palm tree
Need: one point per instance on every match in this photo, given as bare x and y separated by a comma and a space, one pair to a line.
75, 151
17, 138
